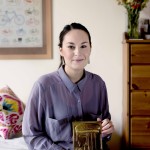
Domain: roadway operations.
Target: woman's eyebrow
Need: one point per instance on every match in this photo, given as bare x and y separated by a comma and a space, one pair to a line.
84, 42
70, 43
74, 43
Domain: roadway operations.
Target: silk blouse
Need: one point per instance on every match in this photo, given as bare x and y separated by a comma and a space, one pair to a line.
55, 102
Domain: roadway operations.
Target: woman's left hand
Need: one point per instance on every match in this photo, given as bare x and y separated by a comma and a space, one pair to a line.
107, 126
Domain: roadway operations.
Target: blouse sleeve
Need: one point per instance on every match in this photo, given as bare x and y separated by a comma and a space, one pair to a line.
105, 110
105, 103
33, 122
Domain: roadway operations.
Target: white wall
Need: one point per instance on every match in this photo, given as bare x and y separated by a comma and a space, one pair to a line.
106, 22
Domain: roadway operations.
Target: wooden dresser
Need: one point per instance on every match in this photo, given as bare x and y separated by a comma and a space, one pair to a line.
136, 94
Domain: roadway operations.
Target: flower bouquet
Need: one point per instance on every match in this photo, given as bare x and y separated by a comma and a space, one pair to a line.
133, 8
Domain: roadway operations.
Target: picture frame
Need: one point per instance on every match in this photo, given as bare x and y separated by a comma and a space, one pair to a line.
30, 45
87, 135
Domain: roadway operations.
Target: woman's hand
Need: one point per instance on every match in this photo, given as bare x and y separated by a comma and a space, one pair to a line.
107, 126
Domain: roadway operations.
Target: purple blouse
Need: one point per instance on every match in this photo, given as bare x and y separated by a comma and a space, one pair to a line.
55, 102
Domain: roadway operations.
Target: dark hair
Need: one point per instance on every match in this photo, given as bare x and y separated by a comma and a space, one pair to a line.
65, 30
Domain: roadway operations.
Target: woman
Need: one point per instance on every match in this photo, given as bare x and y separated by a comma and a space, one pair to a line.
68, 94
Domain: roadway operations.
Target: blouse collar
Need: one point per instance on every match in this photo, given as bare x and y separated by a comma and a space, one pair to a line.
68, 83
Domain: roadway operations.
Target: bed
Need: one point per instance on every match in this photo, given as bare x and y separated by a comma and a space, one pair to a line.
13, 144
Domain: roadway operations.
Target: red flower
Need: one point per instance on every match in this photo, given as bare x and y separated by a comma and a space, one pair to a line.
136, 6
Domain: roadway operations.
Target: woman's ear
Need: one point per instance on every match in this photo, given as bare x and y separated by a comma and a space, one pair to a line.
60, 51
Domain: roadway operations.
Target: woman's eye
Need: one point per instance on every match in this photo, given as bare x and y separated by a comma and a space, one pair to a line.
83, 46
71, 47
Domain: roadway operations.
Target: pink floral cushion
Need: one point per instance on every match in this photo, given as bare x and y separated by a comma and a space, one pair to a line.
11, 113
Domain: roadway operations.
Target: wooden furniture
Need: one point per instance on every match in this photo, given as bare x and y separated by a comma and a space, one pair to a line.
136, 94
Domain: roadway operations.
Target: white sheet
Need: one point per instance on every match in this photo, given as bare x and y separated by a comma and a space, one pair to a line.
13, 144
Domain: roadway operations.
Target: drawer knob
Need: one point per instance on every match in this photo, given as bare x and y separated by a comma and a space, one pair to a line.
135, 87
148, 125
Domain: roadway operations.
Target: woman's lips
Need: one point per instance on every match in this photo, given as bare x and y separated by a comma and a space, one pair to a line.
78, 59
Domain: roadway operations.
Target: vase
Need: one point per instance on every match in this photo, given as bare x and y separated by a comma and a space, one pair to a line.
133, 22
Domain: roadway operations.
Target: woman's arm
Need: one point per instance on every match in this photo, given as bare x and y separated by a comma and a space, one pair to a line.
34, 122
105, 118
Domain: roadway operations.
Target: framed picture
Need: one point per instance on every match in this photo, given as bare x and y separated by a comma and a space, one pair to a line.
25, 29
87, 135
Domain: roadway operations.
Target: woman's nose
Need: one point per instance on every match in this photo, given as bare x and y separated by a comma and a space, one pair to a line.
77, 51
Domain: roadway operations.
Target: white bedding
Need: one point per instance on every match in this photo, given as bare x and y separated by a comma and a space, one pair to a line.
13, 144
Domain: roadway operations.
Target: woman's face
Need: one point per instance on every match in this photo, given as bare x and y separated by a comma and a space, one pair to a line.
76, 49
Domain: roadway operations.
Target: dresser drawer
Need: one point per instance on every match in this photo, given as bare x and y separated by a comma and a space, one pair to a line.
140, 77
140, 103
140, 132
140, 53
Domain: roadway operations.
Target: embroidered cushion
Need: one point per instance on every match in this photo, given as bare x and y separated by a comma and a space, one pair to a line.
11, 113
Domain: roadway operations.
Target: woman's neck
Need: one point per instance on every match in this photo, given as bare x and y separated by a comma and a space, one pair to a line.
74, 75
